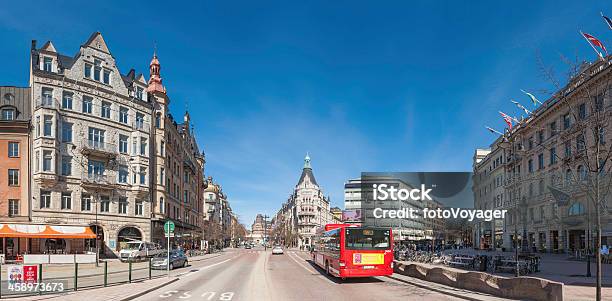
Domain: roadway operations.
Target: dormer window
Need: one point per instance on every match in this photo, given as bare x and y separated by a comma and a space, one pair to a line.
47, 64
106, 77
139, 93
97, 69
7, 114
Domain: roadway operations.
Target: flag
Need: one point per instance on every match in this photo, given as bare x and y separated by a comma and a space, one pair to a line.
593, 41
533, 98
507, 119
520, 106
608, 20
493, 131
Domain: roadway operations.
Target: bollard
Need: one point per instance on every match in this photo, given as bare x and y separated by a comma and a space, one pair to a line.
39, 277
105, 273
130, 272
76, 275
150, 262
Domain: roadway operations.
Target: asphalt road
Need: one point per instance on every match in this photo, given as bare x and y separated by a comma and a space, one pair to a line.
258, 275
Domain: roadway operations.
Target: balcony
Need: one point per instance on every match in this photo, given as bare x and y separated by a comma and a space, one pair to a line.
91, 147
309, 213
45, 179
141, 126
140, 190
97, 181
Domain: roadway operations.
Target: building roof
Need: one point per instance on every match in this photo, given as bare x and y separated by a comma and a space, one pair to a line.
18, 98
307, 171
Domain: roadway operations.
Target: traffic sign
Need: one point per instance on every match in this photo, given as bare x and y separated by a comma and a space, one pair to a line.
169, 227
170, 235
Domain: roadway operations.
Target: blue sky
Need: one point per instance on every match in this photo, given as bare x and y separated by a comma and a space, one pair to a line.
361, 86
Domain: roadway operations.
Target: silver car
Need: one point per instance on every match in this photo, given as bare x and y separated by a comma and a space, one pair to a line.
177, 259
277, 250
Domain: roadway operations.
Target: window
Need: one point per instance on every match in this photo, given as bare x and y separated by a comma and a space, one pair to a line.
66, 132
37, 127
541, 212
576, 209
97, 70
530, 143
87, 104
580, 142
96, 137
45, 199
87, 70
566, 121
138, 209
162, 175
66, 201
123, 174
66, 165
568, 149
541, 161
599, 102
123, 115
13, 149
37, 161
123, 206
162, 205
602, 136
47, 97
47, 63
582, 111
8, 114
582, 173
140, 93
48, 126
104, 204
158, 120
568, 177
13, 177
143, 175
162, 149
85, 202
143, 146
123, 144
67, 101
541, 136
95, 168
47, 160
553, 156
139, 120
553, 128
106, 77
13, 208
106, 110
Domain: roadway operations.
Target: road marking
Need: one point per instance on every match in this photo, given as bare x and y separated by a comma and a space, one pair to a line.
309, 270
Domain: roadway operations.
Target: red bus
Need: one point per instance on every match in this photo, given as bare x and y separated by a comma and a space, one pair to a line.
353, 251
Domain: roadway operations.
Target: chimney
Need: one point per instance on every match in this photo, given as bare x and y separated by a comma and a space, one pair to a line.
33, 45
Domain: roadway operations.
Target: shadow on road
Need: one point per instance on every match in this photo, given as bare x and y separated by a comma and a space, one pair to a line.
339, 280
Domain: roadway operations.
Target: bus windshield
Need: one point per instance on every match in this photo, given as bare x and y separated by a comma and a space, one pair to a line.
367, 239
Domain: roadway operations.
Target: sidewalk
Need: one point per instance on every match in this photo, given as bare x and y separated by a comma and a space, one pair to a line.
110, 293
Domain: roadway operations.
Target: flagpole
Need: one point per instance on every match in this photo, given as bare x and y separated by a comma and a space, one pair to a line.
594, 49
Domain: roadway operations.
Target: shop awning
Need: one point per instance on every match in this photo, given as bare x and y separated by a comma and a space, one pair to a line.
45, 231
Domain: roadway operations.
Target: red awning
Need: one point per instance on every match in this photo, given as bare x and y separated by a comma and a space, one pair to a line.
45, 231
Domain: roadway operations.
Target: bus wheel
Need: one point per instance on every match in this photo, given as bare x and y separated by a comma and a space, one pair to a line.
343, 278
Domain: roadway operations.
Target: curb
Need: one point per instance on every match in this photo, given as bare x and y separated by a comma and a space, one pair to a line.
434, 289
132, 297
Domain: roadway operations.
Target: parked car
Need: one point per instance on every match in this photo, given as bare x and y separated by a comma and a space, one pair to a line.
247, 246
277, 250
177, 259
139, 250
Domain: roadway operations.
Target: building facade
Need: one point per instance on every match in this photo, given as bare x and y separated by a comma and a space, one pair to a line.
14, 163
547, 163
91, 136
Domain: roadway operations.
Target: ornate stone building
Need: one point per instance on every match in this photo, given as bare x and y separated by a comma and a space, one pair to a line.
91, 144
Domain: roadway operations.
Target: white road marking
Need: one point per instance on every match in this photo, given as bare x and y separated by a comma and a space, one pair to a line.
310, 270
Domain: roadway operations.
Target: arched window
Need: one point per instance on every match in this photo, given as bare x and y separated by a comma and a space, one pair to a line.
576, 209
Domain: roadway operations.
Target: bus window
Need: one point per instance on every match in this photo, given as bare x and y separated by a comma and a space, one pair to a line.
367, 239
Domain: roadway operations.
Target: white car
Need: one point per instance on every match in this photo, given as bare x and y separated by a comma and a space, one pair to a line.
138, 250
277, 250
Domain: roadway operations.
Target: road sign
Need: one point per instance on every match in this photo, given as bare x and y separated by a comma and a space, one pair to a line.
169, 227
171, 234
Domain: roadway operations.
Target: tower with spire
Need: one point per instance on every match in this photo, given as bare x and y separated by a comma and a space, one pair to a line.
155, 80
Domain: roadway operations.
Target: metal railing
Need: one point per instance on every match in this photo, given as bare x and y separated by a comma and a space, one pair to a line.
98, 179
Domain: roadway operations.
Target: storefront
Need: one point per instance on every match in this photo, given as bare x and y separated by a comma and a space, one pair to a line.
19, 239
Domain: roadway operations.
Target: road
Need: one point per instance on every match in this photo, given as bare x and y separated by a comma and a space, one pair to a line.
258, 275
